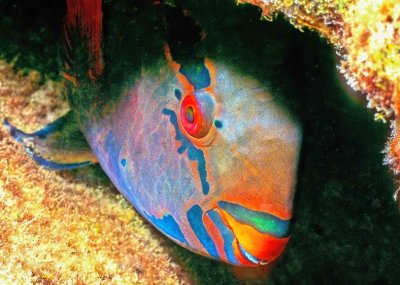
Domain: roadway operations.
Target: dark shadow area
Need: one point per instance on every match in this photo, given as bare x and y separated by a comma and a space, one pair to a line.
31, 34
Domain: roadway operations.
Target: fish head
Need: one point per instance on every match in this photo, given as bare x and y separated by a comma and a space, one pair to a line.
208, 156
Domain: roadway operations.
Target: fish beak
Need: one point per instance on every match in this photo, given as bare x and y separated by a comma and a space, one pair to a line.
251, 238
257, 247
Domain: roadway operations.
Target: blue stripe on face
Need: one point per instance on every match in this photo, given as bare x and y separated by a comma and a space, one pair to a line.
263, 222
193, 153
195, 217
168, 226
197, 75
226, 234
178, 94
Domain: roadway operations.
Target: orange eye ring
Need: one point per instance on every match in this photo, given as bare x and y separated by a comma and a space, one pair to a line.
197, 114
191, 116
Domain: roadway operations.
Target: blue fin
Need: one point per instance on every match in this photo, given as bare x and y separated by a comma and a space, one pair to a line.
59, 145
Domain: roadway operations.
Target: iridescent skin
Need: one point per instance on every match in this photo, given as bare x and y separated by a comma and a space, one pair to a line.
201, 150
223, 189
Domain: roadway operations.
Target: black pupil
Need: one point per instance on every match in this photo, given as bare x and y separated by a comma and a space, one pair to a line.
189, 114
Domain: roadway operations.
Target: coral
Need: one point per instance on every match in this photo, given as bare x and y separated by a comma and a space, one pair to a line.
367, 35
373, 46
322, 15
55, 230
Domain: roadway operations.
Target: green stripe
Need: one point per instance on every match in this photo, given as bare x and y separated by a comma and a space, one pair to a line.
263, 222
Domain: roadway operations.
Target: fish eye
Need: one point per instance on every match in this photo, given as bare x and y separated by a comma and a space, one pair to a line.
197, 114
189, 114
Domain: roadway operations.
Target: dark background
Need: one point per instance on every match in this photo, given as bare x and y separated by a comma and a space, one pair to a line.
346, 225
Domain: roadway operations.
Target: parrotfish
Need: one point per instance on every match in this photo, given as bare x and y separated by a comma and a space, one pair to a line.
202, 151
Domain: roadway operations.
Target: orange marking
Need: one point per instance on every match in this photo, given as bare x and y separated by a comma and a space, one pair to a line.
212, 70
235, 245
239, 256
261, 246
70, 78
189, 88
215, 235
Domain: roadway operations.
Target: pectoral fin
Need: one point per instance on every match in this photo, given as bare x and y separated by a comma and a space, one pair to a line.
60, 145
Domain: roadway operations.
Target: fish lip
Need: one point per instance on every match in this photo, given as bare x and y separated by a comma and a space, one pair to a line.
252, 258
253, 247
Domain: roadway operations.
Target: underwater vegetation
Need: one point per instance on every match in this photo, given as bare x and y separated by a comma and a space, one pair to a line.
343, 192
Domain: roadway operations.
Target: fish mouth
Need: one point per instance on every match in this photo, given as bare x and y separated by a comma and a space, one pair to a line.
250, 238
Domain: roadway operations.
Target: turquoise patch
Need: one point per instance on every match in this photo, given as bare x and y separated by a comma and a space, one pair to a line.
263, 222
